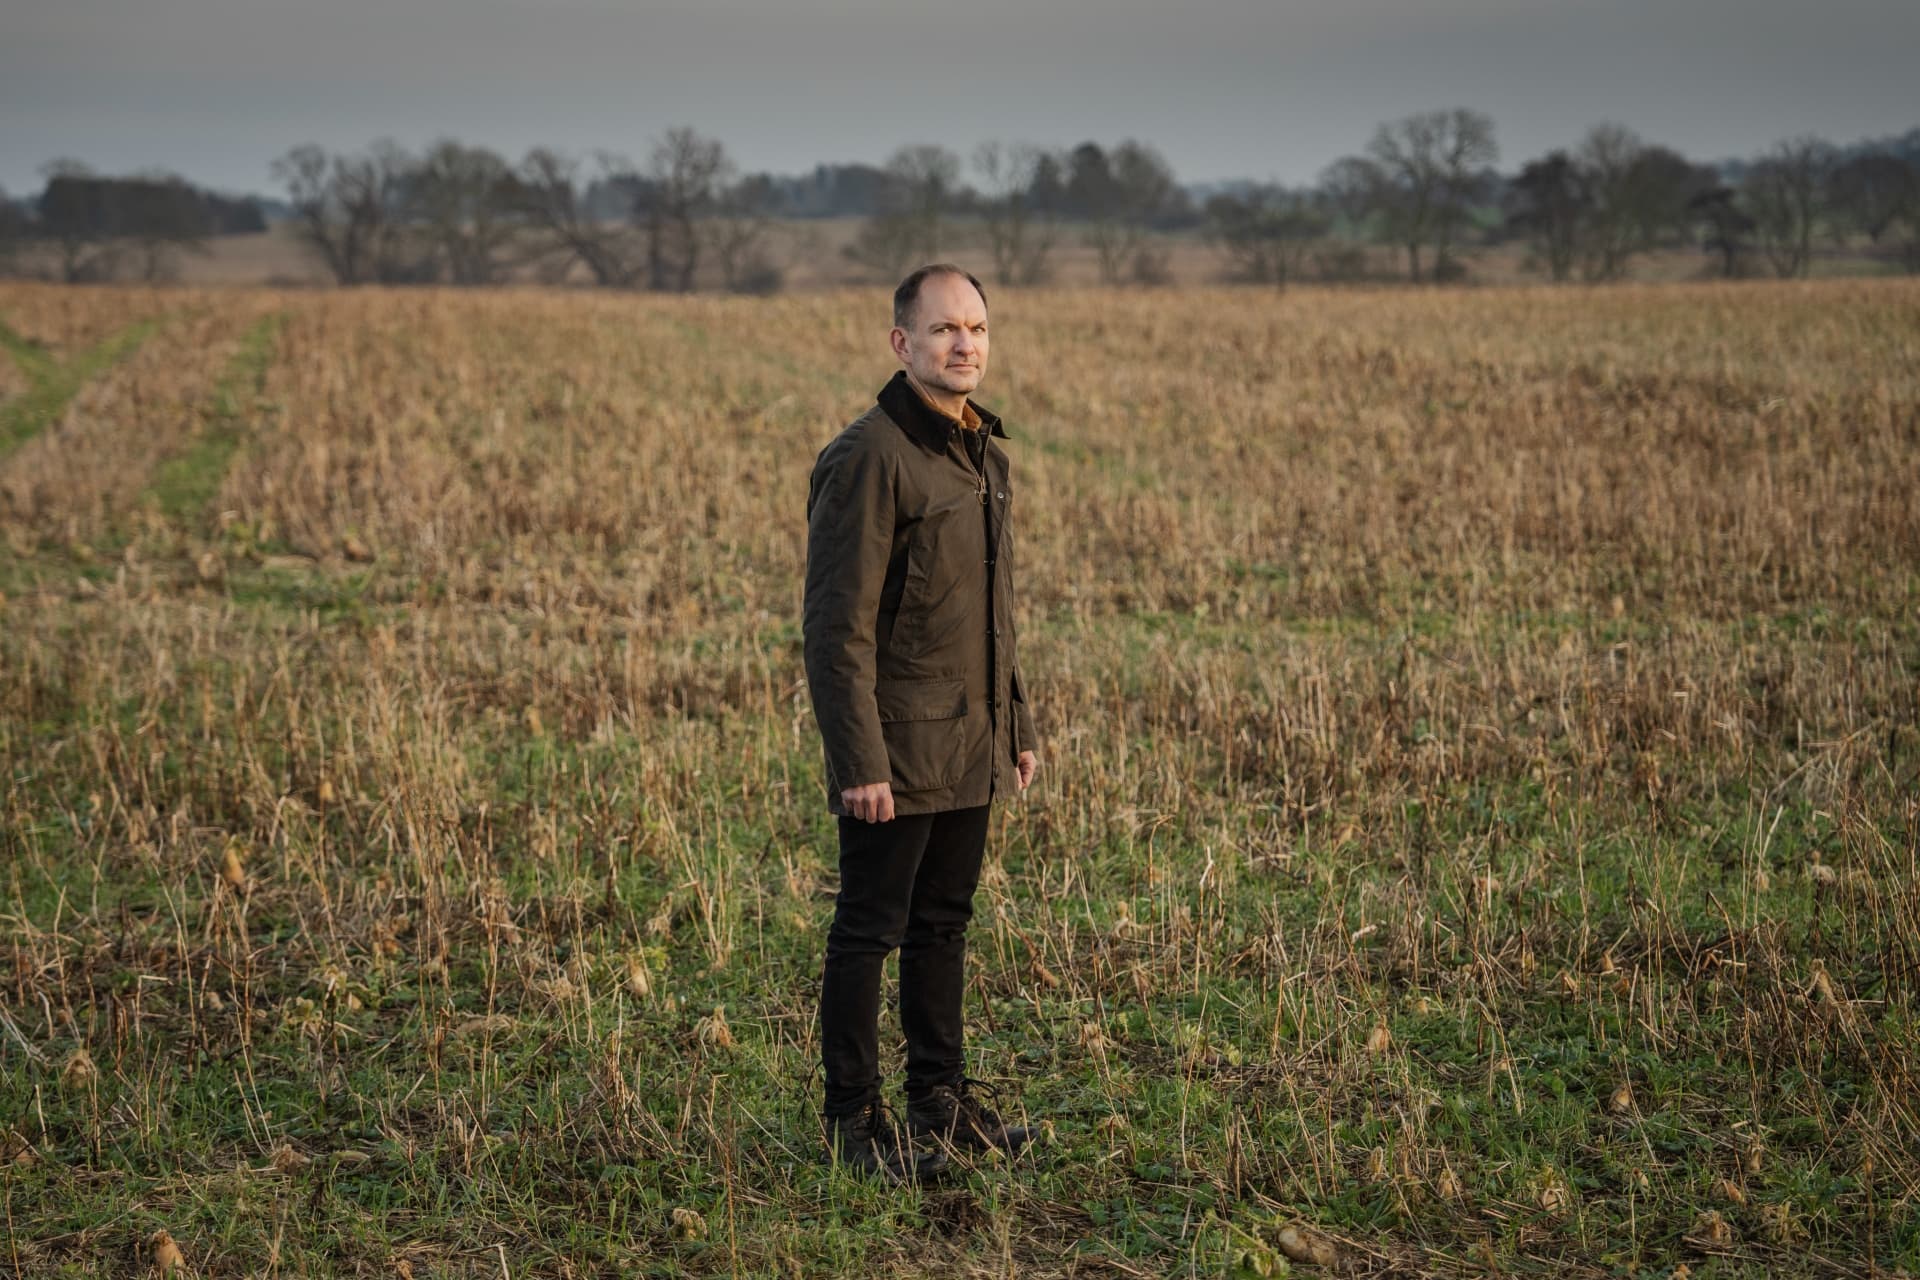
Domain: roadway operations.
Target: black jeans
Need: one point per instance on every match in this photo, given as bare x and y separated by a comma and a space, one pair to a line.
909, 884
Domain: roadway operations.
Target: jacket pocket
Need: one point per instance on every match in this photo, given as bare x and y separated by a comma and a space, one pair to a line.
924, 723
945, 577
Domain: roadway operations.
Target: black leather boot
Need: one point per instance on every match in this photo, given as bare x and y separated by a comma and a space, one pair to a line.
954, 1113
871, 1141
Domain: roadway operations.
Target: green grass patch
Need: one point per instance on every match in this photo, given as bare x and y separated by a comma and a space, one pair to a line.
52, 383
186, 483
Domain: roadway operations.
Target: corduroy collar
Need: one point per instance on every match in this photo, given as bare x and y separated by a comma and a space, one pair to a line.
922, 421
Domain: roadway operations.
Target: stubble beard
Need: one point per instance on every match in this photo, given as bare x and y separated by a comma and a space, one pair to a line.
944, 381
959, 382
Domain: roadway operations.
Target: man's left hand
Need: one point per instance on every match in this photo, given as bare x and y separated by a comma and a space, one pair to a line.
1029, 765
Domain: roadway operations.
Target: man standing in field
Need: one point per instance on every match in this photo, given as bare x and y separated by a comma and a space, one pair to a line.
910, 660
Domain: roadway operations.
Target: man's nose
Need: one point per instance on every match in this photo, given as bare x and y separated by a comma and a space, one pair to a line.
964, 343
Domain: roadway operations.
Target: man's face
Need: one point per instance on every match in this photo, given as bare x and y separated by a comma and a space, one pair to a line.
946, 349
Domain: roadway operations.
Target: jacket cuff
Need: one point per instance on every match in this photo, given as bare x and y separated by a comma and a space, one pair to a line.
856, 763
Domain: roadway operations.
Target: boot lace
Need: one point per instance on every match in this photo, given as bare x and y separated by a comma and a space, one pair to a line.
875, 1123
969, 1093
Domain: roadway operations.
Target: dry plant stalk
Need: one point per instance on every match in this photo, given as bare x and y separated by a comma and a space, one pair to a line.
1447, 656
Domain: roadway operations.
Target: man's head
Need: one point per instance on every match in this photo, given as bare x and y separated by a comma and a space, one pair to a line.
940, 329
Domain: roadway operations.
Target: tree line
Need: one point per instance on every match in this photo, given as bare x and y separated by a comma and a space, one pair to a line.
688, 217
1425, 187
93, 228
1426, 184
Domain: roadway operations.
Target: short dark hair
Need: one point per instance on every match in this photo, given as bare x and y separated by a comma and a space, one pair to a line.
907, 296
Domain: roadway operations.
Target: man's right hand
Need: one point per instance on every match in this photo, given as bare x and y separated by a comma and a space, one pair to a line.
870, 803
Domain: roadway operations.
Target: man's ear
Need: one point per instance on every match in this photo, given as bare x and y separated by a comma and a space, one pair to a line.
898, 340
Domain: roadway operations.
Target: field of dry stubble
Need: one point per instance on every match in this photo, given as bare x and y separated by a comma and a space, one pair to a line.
1477, 827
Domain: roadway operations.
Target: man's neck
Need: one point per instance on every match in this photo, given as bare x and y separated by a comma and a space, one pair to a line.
952, 404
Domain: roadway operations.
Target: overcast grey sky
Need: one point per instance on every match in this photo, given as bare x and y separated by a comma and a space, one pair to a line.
215, 89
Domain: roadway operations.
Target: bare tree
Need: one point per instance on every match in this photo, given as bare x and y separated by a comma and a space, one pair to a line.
1785, 193
1150, 195
1122, 195
685, 178
14, 227
1873, 191
352, 211
306, 173
470, 204
552, 200
1348, 186
925, 177
1265, 232
1020, 222
1725, 227
737, 234
1663, 185
1467, 153
1550, 201
162, 217
1419, 175
378, 187
1639, 195
886, 244
1608, 160
72, 218
919, 184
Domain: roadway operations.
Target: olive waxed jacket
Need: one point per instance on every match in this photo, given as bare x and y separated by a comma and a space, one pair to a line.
908, 617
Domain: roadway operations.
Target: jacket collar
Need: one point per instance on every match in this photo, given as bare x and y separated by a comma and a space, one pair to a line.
922, 421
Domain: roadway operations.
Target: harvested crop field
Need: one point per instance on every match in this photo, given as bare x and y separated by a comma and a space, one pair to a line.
1477, 828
